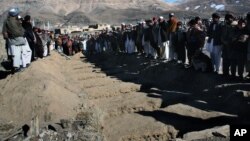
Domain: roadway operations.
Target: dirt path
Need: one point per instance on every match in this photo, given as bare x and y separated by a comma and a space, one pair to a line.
133, 98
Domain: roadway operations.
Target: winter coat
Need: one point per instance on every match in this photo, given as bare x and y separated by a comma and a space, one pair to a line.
154, 33
239, 45
39, 46
28, 32
13, 28
179, 38
214, 34
147, 34
248, 33
227, 40
195, 38
163, 28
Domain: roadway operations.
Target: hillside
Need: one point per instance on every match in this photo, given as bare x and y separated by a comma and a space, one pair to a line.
86, 11
239, 7
82, 12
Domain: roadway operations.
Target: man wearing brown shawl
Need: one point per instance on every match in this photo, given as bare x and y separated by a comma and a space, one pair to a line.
172, 25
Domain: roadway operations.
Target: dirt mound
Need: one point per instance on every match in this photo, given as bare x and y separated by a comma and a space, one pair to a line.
41, 90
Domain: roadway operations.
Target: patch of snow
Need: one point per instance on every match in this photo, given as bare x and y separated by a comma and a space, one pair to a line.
205, 7
197, 7
237, 1
187, 8
212, 5
220, 7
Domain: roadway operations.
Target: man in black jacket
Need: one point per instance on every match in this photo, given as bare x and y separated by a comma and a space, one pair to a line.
30, 36
239, 49
214, 40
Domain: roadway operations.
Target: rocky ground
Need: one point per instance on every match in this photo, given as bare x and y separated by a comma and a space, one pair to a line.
118, 97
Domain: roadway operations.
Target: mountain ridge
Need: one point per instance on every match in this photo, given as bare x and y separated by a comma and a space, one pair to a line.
59, 10
84, 12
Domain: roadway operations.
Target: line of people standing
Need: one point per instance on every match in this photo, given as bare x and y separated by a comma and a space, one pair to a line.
24, 43
227, 42
230, 41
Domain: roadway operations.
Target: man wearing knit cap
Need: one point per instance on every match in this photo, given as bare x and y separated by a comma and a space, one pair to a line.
13, 12
13, 33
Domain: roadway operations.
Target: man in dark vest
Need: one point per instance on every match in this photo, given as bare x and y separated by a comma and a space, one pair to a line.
13, 32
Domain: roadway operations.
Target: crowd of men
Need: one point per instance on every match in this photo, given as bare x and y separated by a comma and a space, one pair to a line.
24, 43
169, 40
195, 45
